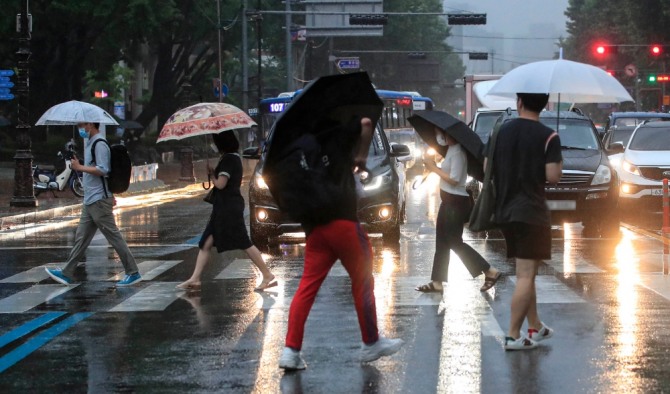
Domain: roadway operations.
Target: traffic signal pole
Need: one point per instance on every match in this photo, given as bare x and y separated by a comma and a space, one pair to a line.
24, 195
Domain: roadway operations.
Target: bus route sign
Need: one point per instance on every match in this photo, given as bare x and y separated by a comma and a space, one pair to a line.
349, 63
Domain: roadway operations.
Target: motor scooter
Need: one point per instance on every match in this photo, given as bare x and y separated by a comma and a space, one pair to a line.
55, 178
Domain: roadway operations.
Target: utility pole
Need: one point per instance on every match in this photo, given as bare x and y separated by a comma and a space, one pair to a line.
289, 49
24, 195
218, 30
245, 58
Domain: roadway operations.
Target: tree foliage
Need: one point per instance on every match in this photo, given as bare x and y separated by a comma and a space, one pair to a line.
630, 26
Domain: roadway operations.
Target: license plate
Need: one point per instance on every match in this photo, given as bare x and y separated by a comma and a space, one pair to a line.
562, 205
656, 192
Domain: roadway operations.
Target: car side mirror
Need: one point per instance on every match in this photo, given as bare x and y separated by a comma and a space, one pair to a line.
400, 150
615, 147
253, 153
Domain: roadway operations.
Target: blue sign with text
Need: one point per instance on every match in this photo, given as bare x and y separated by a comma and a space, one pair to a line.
8, 96
6, 73
6, 84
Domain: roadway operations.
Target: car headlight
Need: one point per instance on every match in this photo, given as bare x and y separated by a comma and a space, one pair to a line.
603, 175
260, 182
628, 167
378, 181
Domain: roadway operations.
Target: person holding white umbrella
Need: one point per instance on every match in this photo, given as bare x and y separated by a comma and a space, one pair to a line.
527, 155
97, 212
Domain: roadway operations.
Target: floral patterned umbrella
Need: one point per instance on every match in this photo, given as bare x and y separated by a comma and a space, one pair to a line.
203, 119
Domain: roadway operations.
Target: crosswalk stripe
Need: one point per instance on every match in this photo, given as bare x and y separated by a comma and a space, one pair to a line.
32, 275
550, 290
238, 269
149, 269
39, 340
155, 297
658, 283
31, 297
29, 327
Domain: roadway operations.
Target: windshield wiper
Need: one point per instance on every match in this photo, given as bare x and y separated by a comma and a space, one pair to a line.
572, 147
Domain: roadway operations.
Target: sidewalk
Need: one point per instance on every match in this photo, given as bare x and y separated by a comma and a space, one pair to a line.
67, 204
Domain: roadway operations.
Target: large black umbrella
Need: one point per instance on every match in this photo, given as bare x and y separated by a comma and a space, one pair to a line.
424, 123
324, 112
335, 99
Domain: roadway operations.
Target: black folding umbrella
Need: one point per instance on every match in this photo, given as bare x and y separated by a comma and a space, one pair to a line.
321, 120
424, 123
333, 98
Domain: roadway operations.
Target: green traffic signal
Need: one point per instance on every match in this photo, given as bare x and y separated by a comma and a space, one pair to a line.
651, 78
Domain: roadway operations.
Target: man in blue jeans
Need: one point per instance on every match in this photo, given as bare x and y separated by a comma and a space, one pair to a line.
97, 211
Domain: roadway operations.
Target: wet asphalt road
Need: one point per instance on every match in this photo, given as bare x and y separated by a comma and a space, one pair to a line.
607, 299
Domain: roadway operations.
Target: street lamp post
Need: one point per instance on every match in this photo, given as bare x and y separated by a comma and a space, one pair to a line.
24, 195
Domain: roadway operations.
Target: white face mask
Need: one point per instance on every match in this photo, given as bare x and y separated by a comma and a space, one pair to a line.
439, 137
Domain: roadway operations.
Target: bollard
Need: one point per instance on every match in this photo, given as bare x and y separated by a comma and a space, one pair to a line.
187, 171
665, 230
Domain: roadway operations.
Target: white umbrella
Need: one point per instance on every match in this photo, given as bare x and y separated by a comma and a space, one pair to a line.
563, 80
73, 112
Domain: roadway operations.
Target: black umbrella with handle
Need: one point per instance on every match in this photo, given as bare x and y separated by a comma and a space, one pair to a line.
424, 122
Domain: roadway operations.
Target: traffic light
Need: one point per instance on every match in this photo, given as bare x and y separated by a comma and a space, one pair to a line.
651, 78
478, 56
602, 50
656, 50
466, 19
368, 19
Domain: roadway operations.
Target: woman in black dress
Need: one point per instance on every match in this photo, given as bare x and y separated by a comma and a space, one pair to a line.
226, 229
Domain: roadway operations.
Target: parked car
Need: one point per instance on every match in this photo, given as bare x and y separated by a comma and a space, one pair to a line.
381, 201
644, 163
588, 190
631, 119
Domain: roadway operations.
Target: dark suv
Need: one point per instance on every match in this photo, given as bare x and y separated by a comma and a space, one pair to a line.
381, 200
588, 191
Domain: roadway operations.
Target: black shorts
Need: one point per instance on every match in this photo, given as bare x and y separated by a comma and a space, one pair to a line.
527, 241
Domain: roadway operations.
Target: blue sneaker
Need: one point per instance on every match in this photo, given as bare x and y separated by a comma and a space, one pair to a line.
57, 275
130, 280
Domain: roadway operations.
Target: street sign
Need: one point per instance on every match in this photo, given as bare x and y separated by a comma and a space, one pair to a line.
6, 73
351, 63
4, 79
6, 96
224, 90
5, 91
6, 84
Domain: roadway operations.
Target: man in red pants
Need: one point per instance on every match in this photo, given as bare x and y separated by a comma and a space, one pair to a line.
339, 237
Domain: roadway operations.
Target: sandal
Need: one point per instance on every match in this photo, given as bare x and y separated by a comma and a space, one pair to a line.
266, 284
428, 288
490, 282
189, 286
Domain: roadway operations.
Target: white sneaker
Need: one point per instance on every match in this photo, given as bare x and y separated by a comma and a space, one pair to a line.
290, 360
383, 347
539, 335
522, 343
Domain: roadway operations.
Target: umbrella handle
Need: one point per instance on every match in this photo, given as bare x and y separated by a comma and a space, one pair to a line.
209, 183
419, 182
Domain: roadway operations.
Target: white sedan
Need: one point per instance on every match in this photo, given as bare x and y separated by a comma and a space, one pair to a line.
644, 163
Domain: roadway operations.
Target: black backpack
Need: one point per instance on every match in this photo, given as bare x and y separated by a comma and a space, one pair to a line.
118, 178
299, 181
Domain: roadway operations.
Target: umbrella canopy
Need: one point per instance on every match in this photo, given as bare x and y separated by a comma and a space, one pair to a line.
73, 112
424, 122
563, 80
128, 124
203, 119
333, 98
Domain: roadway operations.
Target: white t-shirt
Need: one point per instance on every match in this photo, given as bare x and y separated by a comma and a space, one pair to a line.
455, 165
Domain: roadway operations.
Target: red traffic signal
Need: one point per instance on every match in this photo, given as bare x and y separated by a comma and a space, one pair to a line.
656, 50
600, 50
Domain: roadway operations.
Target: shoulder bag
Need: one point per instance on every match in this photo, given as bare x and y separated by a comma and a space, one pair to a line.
483, 212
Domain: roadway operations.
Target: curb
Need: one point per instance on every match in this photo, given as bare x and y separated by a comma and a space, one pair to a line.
37, 215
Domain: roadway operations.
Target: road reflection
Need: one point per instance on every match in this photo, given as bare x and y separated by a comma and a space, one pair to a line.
627, 296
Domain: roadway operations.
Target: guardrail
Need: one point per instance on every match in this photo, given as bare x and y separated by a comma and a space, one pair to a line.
144, 173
